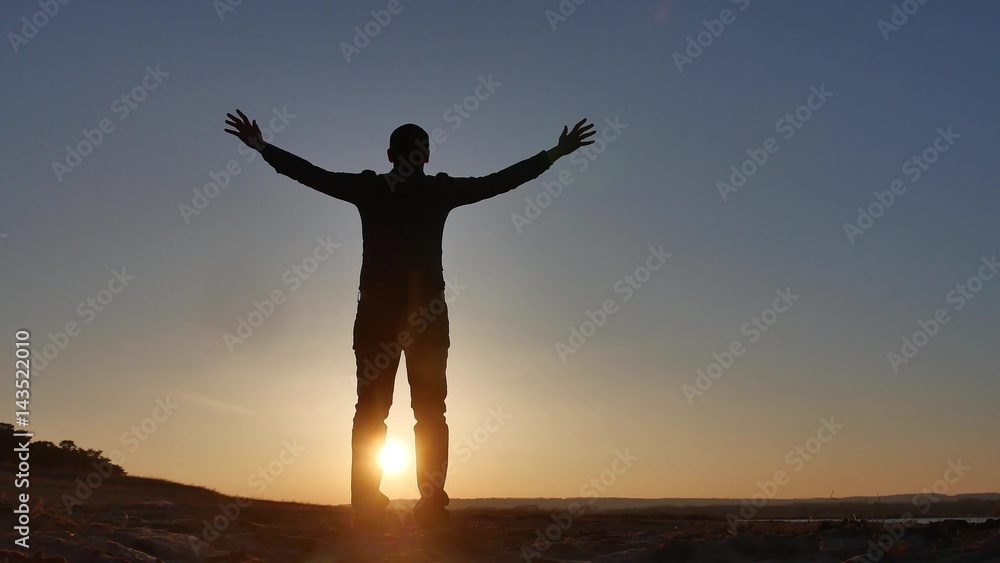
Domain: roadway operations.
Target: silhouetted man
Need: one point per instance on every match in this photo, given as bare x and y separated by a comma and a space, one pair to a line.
401, 303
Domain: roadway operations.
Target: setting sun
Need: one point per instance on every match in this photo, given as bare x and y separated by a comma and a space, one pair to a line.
394, 457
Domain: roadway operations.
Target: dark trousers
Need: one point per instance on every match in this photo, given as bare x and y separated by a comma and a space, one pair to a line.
388, 325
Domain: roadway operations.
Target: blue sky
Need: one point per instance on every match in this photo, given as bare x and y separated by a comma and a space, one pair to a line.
522, 286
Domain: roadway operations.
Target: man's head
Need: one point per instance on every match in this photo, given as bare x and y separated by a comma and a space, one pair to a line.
409, 143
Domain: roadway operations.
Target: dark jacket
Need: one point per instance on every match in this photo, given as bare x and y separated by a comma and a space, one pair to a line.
402, 220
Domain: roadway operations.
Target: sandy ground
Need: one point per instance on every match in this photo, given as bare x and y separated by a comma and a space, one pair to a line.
147, 520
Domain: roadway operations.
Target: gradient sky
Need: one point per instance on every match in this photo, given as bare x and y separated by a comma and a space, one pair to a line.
656, 184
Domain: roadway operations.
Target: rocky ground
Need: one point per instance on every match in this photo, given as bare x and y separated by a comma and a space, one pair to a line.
144, 520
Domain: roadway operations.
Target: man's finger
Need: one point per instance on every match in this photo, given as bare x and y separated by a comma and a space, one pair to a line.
245, 118
231, 132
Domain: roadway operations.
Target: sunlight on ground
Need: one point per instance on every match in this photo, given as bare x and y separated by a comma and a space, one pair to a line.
394, 457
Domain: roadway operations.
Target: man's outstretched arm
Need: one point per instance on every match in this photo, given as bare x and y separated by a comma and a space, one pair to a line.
340, 185
464, 191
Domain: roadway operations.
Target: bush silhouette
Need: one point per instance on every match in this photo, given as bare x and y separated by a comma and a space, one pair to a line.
66, 456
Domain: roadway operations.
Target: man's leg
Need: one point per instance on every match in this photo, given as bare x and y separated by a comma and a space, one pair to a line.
426, 363
374, 331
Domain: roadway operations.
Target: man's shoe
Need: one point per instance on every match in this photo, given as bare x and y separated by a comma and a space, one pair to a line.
369, 524
432, 517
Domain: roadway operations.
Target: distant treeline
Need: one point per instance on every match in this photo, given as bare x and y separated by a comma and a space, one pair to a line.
924, 507
47, 456
862, 508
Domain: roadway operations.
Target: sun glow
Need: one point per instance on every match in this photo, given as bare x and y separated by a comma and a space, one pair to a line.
394, 457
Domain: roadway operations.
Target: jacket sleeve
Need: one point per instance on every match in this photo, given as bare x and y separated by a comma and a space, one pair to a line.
341, 185
463, 191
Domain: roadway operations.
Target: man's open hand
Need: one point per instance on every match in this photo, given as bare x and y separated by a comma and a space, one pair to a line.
572, 140
569, 141
245, 130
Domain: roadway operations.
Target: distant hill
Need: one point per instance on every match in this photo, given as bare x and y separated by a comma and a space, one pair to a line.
618, 503
928, 506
